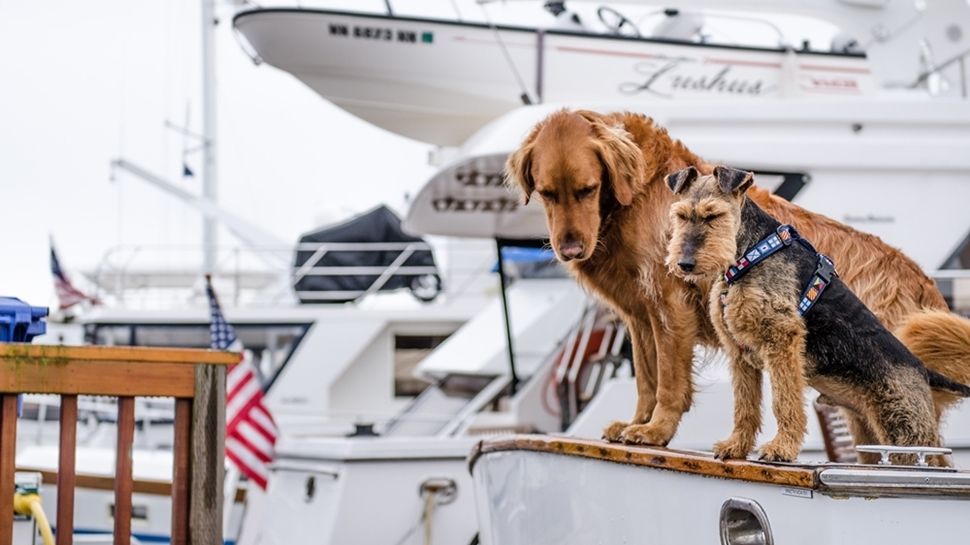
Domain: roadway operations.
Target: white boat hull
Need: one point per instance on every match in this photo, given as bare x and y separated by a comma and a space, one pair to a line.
438, 81
535, 498
366, 491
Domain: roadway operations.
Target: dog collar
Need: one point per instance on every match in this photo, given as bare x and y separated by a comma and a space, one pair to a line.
783, 237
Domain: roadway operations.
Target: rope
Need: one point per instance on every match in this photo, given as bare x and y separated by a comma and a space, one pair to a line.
427, 516
426, 520
526, 98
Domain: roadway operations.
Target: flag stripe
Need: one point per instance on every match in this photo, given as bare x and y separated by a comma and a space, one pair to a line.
254, 442
250, 430
248, 464
67, 294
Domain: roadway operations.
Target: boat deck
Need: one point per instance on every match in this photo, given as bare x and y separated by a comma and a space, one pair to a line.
826, 478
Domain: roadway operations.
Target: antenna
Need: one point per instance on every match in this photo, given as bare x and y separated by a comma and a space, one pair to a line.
209, 169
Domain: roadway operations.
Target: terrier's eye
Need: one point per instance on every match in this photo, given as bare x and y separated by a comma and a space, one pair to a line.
710, 217
585, 192
683, 216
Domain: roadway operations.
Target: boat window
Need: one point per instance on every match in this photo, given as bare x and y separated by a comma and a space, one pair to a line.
409, 351
954, 278
784, 184
269, 345
463, 386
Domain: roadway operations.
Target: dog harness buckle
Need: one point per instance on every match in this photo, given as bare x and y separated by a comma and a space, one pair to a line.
824, 271
783, 237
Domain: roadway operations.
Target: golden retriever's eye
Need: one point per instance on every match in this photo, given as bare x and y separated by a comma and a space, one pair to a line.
585, 192
548, 196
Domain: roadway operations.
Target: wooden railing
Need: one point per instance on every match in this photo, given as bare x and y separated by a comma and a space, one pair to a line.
197, 381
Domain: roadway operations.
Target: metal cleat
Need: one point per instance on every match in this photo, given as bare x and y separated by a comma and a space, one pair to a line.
884, 451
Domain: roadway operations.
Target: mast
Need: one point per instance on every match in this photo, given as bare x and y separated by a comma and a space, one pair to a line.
209, 170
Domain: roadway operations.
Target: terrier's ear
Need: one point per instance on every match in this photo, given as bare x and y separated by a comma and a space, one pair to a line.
621, 158
733, 180
681, 180
518, 167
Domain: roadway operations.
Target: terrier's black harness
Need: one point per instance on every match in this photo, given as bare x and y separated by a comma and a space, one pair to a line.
783, 237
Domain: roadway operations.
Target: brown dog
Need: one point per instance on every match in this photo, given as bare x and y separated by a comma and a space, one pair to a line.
600, 178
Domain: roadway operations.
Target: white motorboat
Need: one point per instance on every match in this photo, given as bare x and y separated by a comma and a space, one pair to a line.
439, 80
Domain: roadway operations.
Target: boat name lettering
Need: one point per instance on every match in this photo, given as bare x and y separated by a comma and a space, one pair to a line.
665, 77
380, 33
474, 178
453, 204
835, 83
797, 492
868, 218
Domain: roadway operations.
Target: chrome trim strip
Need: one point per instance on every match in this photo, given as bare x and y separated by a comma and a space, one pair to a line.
900, 482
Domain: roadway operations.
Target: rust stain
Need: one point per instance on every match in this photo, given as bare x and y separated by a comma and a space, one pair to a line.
660, 458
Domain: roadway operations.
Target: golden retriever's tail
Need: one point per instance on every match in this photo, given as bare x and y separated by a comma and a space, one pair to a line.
942, 340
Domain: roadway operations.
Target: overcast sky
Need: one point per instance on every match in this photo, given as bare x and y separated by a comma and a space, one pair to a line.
84, 82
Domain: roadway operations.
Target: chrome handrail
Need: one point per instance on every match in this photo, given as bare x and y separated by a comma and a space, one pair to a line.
959, 58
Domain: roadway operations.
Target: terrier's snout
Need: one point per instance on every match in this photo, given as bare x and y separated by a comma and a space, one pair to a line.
687, 264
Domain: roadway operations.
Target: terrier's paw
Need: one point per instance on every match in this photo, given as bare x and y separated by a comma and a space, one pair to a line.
778, 450
732, 447
614, 432
646, 434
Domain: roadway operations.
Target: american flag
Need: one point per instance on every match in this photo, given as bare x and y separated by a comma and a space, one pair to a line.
67, 294
250, 430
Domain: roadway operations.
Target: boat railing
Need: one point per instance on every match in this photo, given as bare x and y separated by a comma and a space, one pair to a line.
93, 411
155, 275
955, 286
959, 61
196, 379
382, 273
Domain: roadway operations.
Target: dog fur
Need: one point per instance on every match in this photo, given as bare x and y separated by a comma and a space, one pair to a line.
839, 347
600, 177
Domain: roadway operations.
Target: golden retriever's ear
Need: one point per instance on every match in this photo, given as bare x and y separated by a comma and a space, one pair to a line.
518, 167
681, 180
733, 180
622, 160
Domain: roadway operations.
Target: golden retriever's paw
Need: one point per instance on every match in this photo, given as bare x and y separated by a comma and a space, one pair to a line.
646, 434
779, 450
614, 432
732, 448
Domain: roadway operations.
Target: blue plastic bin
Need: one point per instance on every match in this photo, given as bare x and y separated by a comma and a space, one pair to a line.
20, 323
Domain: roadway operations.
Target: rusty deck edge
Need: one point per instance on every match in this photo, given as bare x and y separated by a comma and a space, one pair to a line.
653, 457
54, 354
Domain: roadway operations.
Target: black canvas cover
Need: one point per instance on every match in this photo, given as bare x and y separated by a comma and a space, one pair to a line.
378, 225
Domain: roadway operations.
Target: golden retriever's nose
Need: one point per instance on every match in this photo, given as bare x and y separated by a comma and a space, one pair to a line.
686, 264
571, 249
